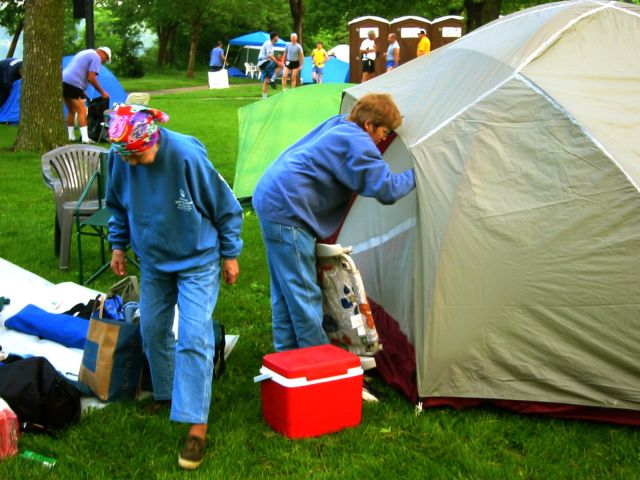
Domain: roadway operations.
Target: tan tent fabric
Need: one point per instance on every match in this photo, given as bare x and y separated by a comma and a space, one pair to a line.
526, 243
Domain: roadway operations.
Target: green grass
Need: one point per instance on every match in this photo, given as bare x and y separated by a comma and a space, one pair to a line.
173, 79
119, 441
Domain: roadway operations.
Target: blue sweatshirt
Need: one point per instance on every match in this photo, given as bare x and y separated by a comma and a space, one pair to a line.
178, 212
310, 184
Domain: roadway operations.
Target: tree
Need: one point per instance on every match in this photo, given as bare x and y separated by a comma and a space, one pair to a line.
480, 12
297, 12
12, 18
41, 96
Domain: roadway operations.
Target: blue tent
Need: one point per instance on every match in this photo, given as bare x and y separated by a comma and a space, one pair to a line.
335, 71
10, 111
255, 39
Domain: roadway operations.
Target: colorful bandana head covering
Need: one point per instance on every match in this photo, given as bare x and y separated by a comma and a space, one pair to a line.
134, 128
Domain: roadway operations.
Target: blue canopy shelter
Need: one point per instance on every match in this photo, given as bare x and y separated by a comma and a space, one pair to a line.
250, 44
10, 111
255, 39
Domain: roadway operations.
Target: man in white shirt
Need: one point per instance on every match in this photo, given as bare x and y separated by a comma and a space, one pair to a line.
368, 50
269, 65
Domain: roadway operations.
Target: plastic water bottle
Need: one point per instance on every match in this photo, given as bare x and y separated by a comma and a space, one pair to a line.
9, 430
36, 457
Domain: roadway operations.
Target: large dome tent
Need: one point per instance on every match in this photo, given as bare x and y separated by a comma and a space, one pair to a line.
512, 273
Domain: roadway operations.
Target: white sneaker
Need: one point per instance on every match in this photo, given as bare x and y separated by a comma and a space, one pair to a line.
367, 396
88, 141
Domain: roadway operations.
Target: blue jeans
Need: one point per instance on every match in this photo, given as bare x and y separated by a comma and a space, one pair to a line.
181, 371
296, 299
267, 70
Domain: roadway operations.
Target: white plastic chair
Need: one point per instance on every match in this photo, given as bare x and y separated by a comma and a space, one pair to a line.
67, 170
250, 70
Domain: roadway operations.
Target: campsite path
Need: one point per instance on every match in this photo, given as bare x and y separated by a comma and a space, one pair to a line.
185, 89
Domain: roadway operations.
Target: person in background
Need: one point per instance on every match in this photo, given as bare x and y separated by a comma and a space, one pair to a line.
82, 70
269, 65
293, 59
393, 52
10, 71
424, 45
180, 217
319, 57
368, 50
303, 196
217, 58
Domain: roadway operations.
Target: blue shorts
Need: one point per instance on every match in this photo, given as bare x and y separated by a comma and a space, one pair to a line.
267, 68
391, 64
318, 70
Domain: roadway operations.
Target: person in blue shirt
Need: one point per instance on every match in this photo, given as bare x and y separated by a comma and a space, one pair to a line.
292, 59
182, 220
303, 196
217, 58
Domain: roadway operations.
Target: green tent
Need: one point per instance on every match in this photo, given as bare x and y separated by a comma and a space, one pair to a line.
268, 127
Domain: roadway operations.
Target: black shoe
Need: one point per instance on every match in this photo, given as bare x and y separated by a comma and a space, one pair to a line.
193, 452
156, 406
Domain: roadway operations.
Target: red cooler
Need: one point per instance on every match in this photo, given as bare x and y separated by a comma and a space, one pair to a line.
9, 431
311, 391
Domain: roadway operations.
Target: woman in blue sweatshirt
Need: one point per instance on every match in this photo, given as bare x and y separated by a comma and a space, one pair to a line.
182, 220
304, 195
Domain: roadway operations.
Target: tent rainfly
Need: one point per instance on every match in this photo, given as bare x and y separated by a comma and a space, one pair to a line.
512, 273
269, 127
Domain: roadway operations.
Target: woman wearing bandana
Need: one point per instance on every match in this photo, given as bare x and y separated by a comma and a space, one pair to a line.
182, 220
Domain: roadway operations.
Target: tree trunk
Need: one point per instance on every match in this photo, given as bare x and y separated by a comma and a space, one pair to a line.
481, 12
195, 39
171, 44
163, 40
14, 40
41, 116
297, 13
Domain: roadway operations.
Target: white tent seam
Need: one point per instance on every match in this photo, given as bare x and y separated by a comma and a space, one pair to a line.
573, 120
516, 72
557, 35
517, 17
385, 237
460, 112
624, 10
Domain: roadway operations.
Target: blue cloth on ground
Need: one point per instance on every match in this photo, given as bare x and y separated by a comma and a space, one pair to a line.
61, 328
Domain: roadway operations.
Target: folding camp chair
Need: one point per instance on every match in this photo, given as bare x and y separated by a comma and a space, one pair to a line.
66, 170
95, 225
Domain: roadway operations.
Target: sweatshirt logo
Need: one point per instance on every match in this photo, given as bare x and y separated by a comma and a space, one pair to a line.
183, 203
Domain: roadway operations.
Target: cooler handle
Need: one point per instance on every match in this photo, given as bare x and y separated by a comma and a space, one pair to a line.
261, 378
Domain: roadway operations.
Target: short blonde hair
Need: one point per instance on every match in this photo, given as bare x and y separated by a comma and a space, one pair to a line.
377, 108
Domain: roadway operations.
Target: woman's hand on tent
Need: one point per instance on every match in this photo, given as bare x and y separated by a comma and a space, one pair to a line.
118, 263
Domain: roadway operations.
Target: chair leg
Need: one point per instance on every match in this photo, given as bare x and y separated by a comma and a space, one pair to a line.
79, 241
66, 225
56, 237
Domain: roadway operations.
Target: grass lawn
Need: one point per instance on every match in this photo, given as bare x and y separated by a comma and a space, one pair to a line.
120, 441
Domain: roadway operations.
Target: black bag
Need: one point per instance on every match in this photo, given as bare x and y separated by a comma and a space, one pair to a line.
219, 365
41, 398
95, 119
